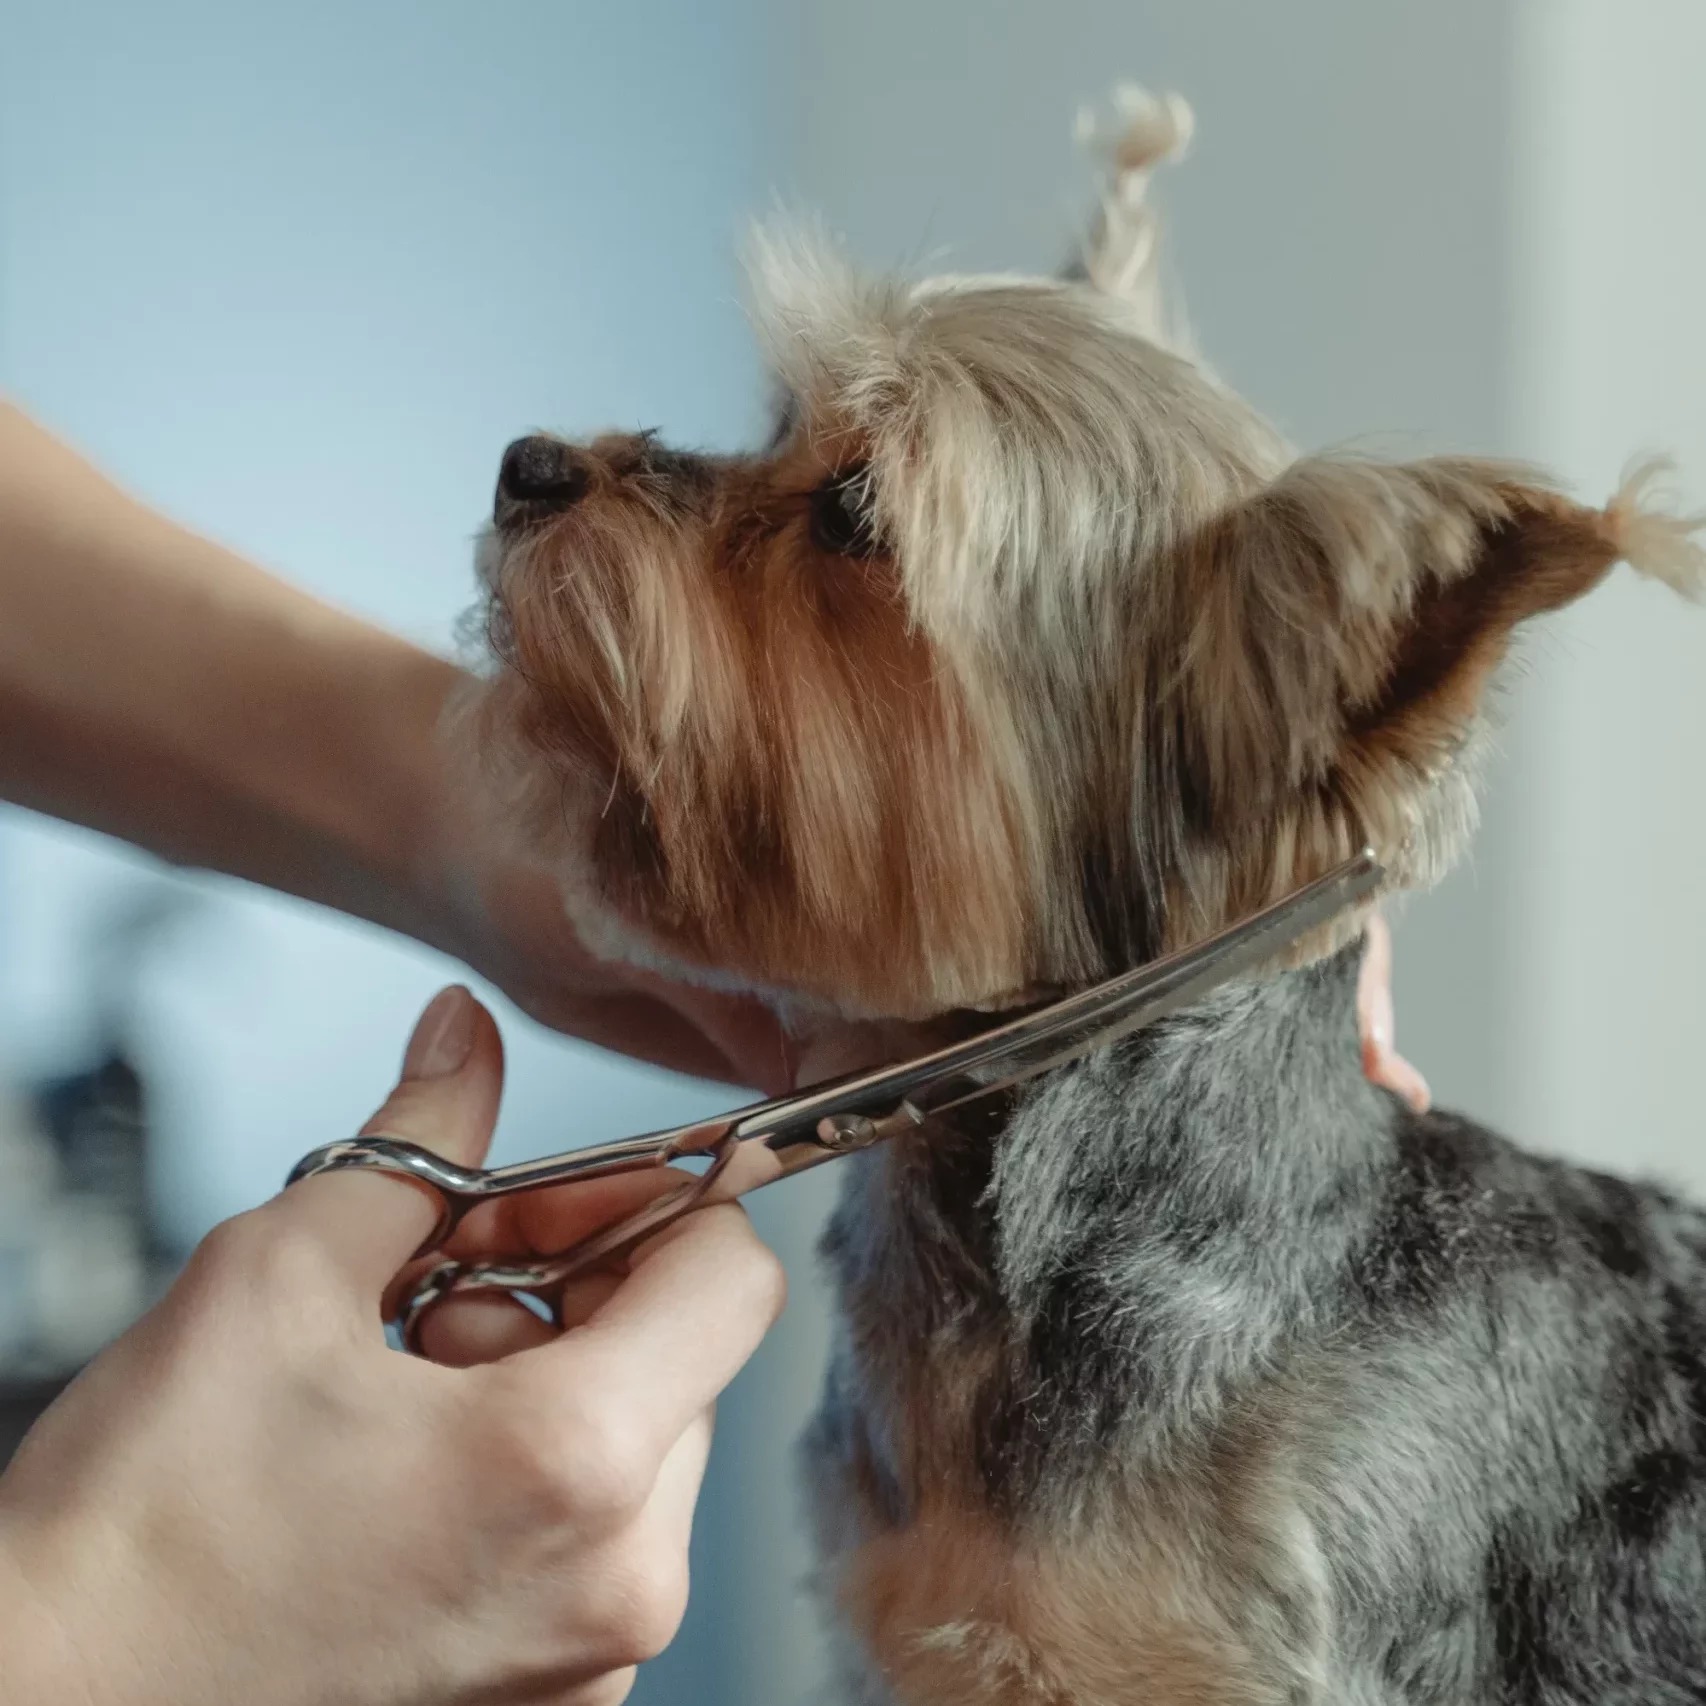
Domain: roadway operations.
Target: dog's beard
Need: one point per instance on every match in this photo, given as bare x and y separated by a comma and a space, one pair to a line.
750, 781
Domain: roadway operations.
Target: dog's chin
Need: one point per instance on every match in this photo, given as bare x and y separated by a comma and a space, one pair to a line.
836, 1047
492, 547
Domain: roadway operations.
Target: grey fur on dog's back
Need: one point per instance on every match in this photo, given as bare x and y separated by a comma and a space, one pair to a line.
1476, 1377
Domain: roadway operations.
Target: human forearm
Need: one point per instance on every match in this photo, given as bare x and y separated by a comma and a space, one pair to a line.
160, 688
39, 1659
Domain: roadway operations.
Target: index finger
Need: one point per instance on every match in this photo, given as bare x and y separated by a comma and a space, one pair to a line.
696, 1303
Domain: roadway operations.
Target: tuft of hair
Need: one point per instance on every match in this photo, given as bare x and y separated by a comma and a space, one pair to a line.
1650, 538
1146, 130
1123, 255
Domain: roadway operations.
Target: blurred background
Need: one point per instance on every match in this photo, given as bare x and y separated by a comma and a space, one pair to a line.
296, 274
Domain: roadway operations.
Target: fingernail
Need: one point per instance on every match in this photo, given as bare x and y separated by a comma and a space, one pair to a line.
444, 1035
1419, 1096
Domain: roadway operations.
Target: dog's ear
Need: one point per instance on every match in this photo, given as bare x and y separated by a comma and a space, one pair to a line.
1123, 255
1340, 628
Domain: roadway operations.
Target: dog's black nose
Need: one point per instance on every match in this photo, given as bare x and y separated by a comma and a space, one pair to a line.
539, 474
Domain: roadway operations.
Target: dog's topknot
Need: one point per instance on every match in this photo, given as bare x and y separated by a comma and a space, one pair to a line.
1122, 256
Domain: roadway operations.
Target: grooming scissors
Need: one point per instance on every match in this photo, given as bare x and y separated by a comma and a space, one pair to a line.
759, 1144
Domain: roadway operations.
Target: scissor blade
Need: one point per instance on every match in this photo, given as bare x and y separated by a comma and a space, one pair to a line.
1025, 1048
1112, 1013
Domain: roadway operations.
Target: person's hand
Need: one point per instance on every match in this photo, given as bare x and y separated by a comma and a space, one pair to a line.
251, 1498
505, 917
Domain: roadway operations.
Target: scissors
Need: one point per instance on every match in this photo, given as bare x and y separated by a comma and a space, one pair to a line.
757, 1145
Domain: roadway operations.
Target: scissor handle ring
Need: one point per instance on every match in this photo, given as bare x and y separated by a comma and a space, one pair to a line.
545, 1278
455, 1188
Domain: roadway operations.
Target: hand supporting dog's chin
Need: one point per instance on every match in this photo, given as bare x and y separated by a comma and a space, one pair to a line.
505, 917
480, 895
833, 1047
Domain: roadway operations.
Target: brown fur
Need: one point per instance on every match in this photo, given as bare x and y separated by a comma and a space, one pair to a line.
956, 1615
1356, 612
787, 775
802, 783
964, 1604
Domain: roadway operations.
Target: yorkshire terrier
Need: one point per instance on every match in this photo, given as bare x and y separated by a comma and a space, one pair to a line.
1205, 1370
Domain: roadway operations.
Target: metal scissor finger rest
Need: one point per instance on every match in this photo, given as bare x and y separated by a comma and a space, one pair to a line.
754, 1146
460, 1189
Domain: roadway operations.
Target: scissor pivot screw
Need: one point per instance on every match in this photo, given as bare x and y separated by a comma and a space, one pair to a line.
845, 1132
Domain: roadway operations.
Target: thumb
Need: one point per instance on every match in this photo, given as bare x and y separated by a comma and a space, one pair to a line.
446, 1100
1382, 1064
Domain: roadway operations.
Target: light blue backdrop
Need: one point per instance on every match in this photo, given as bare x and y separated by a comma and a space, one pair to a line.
296, 274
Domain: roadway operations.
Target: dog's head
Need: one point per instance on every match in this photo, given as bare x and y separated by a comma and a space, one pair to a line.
1024, 651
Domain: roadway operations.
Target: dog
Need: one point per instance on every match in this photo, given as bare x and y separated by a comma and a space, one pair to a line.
1204, 1370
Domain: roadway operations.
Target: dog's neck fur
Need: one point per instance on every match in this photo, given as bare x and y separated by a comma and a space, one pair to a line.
1068, 1246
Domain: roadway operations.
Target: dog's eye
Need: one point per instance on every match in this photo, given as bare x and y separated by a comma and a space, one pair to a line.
787, 418
841, 516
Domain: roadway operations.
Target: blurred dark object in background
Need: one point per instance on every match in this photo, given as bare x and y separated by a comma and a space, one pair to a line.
79, 1255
